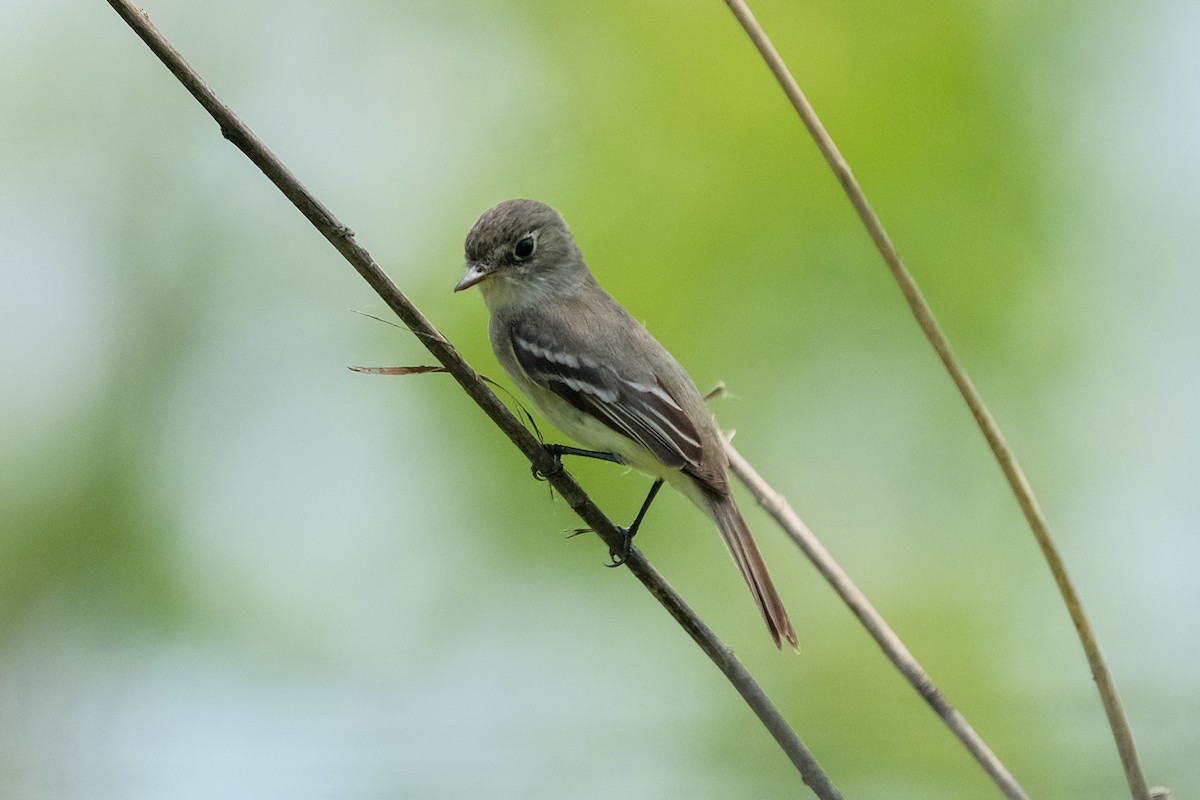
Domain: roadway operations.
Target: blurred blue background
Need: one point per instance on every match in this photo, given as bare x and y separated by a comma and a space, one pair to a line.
229, 567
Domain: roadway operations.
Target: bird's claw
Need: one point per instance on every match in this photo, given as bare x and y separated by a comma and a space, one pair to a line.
619, 555
539, 475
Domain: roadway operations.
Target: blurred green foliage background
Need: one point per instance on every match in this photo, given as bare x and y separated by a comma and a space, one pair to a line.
229, 567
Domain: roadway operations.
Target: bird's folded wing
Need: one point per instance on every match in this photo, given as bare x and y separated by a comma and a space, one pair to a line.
639, 407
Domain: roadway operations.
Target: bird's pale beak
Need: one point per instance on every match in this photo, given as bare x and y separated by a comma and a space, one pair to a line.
476, 271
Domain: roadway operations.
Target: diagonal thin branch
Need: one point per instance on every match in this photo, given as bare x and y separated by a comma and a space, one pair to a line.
779, 508
987, 424
342, 238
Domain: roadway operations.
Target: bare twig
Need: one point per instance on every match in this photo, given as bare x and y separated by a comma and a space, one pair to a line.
342, 238
983, 418
777, 506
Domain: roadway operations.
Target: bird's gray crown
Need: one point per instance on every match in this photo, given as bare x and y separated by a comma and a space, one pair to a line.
508, 223
495, 236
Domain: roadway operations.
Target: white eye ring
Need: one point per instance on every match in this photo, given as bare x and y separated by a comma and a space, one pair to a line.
525, 248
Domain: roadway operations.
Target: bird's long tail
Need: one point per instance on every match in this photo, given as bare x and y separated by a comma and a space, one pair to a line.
741, 545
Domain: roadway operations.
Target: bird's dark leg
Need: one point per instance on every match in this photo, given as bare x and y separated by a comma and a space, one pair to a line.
557, 451
620, 555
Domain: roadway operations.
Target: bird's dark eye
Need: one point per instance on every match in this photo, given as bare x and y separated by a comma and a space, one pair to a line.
524, 248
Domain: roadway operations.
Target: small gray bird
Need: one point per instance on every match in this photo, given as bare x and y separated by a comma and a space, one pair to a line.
598, 374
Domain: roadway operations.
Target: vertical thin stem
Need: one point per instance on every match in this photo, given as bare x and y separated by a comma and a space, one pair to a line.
983, 418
